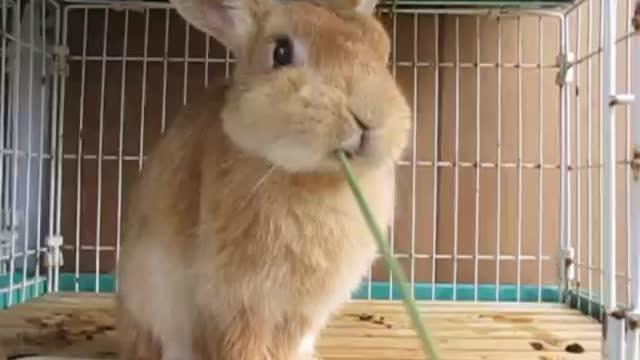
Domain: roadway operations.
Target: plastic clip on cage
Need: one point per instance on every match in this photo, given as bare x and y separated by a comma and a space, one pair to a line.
517, 209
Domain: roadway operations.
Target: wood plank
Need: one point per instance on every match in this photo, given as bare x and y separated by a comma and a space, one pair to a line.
362, 330
393, 305
465, 334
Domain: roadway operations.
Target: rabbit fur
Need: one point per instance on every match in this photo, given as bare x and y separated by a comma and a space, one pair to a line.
242, 236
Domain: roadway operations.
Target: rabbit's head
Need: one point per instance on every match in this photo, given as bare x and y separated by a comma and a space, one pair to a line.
310, 78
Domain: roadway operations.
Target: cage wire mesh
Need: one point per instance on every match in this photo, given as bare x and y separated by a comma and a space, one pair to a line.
28, 96
503, 194
132, 69
585, 135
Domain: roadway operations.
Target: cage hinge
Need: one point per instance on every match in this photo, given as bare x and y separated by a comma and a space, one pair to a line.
568, 260
53, 257
632, 318
565, 63
635, 163
60, 64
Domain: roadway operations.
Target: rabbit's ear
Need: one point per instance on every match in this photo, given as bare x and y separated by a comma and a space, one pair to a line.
228, 21
366, 6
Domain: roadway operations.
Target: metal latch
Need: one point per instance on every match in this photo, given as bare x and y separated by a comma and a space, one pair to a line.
568, 256
7, 238
621, 99
53, 257
565, 74
60, 65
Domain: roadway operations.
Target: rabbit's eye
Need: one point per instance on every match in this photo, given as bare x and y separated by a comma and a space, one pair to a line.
282, 52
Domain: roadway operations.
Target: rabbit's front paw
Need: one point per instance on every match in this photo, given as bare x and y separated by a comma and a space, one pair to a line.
308, 357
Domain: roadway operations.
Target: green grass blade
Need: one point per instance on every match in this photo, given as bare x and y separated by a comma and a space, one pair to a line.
392, 262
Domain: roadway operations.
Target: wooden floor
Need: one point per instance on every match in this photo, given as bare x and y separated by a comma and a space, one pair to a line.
82, 325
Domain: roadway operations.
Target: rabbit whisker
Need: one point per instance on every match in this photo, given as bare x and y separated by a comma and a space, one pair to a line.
262, 179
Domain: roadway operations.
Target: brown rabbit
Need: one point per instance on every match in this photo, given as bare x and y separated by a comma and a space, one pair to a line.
242, 234
635, 20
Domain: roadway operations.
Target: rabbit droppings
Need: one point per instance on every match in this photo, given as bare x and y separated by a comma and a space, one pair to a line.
242, 235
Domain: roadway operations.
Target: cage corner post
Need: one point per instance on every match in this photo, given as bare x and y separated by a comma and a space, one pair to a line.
563, 80
633, 335
54, 240
613, 347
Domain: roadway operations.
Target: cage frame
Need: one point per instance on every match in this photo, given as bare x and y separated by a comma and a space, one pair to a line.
621, 320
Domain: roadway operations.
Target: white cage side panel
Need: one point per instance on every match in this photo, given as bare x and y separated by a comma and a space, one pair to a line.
29, 35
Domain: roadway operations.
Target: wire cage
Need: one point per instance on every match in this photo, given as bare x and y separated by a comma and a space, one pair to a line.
520, 184
28, 96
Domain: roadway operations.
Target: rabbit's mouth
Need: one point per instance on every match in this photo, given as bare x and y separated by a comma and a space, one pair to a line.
358, 142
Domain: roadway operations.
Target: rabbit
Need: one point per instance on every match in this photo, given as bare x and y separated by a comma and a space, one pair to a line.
635, 20
242, 236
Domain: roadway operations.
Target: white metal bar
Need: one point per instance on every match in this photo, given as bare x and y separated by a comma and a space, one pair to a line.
25, 154
601, 173
206, 84
100, 149
31, 282
27, 216
24, 44
464, 7
41, 155
564, 173
414, 157
476, 247
525, 258
578, 132
207, 45
196, 59
567, 244
3, 106
143, 95
614, 340
59, 118
19, 254
519, 162
419, 163
608, 88
633, 337
394, 60
456, 169
498, 169
163, 119
80, 149
52, 278
399, 64
541, 158
590, 174
598, 51
227, 64
436, 154
628, 156
15, 107
186, 64
123, 87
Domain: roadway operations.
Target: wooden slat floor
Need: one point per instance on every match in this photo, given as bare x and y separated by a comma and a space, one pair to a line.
82, 325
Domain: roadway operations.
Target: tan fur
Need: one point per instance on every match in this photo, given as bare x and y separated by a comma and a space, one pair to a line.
242, 235
635, 20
